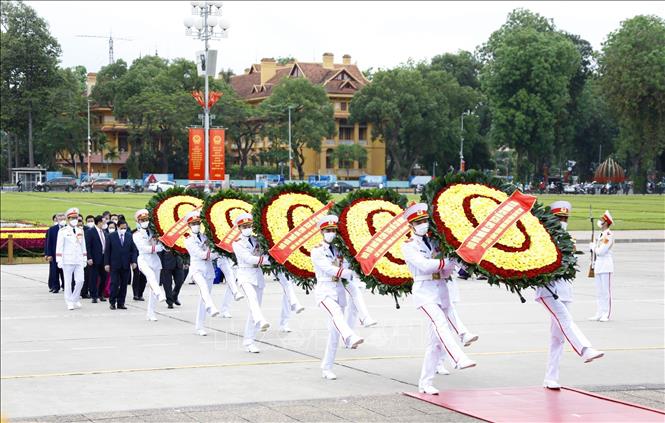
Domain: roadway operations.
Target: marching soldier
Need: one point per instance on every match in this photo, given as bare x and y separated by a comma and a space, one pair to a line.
290, 302
603, 267
557, 297
357, 310
201, 269
149, 262
232, 292
330, 268
250, 278
71, 256
430, 296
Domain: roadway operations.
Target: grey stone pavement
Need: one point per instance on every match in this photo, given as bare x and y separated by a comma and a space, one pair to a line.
95, 364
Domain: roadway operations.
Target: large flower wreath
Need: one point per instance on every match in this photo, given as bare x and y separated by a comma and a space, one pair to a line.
361, 214
166, 208
220, 210
533, 252
276, 213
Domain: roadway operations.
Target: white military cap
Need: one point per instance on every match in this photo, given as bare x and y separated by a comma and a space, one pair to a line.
141, 213
72, 212
328, 221
607, 217
243, 218
193, 216
561, 208
415, 212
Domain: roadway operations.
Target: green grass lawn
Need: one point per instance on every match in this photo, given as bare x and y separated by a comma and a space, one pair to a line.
629, 212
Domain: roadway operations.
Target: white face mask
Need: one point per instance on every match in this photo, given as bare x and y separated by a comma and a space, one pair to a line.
246, 231
62, 222
329, 237
74, 222
600, 224
111, 230
195, 228
564, 226
421, 229
122, 231
90, 225
105, 226
144, 225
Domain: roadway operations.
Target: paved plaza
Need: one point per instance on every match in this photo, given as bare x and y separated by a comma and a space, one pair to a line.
95, 364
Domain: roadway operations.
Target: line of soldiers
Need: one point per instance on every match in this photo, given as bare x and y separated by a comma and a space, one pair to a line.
338, 288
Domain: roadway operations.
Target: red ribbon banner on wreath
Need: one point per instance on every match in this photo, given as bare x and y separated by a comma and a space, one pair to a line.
494, 226
298, 236
381, 242
226, 243
176, 231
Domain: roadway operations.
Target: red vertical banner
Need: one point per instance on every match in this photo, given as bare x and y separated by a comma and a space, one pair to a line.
196, 154
216, 151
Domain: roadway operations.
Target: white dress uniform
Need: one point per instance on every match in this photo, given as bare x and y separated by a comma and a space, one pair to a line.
71, 257
603, 269
562, 326
290, 302
430, 296
330, 268
357, 308
149, 264
232, 292
250, 280
202, 271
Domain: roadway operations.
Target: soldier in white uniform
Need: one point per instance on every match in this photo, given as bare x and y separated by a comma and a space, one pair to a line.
149, 262
603, 268
357, 310
250, 278
71, 256
330, 268
201, 269
290, 302
430, 296
232, 291
556, 297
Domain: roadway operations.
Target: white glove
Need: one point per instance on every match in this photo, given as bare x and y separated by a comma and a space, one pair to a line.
59, 265
266, 260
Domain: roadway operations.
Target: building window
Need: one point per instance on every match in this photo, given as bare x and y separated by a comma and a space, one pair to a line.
330, 158
345, 130
362, 132
343, 106
342, 76
123, 144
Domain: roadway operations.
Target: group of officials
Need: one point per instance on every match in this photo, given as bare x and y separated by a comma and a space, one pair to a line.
85, 255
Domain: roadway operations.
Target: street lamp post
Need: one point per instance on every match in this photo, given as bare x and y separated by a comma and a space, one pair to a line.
461, 147
89, 141
290, 151
203, 28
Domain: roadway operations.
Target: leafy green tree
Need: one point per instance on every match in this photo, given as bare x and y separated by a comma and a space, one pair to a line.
463, 66
28, 68
632, 68
311, 117
526, 77
346, 154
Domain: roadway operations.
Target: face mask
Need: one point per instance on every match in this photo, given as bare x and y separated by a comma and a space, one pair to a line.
246, 231
105, 226
74, 222
421, 229
111, 230
195, 229
600, 224
564, 225
62, 222
144, 225
90, 225
122, 231
329, 236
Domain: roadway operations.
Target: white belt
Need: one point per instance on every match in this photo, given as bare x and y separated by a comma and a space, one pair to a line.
328, 280
253, 266
432, 277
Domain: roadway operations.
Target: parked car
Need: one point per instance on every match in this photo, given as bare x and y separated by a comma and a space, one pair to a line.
64, 183
339, 187
132, 187
161, 186
99, 184
199, 186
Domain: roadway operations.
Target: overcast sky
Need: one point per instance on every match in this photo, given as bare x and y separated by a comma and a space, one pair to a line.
375, 34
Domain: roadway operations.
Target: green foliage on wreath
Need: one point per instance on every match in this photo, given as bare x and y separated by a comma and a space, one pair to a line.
561, 237
319, 193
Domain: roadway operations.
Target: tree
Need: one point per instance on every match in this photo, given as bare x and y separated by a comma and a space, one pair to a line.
311, 117
463, 66
526, 77
632, 68
111, 155
28, 67
346, 154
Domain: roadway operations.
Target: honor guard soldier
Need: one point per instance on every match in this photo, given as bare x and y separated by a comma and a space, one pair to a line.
149, 262
290, 302
201, 269
71, 256
556, 297
250, 278
232, 292
330, 268
430, 296
603, 266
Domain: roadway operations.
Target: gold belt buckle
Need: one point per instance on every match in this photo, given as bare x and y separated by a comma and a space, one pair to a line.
335, 279
436, 276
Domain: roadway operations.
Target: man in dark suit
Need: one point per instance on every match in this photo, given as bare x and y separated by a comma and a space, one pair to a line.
86, 291
172, 272
56, 278
95, 242
119, 259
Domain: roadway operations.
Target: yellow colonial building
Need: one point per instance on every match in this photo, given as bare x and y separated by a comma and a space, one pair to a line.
341, 82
